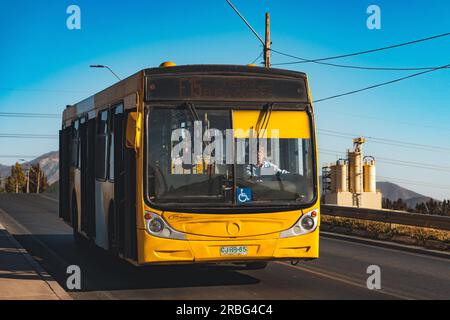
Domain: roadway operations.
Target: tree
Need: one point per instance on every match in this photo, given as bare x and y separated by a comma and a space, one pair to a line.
434, 207
16, 181
386, 203
37, 179
398, 204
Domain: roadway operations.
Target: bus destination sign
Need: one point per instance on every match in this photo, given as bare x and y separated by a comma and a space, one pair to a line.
220, 88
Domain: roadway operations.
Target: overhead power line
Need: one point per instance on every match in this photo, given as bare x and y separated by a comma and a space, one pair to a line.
381, 84
402, 163
386, 141
29, 115
43, 90
246, 22
8, 156
256, 59
392, 120
397, 163
347, 66
28, 136
374, 50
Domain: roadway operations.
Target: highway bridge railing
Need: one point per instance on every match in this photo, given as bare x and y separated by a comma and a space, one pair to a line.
388, 216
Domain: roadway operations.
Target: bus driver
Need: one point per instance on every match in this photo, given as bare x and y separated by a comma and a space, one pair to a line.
263, 167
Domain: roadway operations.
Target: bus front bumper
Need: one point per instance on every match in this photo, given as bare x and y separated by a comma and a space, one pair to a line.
155, 250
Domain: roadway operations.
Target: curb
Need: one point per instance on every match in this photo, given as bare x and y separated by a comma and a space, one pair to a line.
386, 244
44, 275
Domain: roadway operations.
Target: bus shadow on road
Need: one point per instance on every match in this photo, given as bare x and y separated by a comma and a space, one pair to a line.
102, 272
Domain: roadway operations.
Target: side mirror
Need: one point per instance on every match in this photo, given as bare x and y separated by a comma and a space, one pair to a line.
133, 133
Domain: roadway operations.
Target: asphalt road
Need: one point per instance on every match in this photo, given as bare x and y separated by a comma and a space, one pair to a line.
340, 273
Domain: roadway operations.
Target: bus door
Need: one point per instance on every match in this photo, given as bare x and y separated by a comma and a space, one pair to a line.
64, 156
90, 178
118, 170
128, 195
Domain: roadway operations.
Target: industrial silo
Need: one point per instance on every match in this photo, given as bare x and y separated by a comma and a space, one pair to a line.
355, 172
370, 183
341, 169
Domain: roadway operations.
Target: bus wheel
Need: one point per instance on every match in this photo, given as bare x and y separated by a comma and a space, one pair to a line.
258, 265
77, 238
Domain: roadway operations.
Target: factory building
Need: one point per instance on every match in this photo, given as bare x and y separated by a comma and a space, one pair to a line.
351, 182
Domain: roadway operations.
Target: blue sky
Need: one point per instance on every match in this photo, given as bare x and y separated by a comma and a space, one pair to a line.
44, 66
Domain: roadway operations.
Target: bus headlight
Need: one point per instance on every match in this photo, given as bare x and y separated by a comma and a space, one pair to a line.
157, 227
306, 224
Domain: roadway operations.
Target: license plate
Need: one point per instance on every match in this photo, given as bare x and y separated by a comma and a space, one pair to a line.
234, 251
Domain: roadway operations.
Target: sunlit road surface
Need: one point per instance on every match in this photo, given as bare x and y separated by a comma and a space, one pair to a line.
340, 273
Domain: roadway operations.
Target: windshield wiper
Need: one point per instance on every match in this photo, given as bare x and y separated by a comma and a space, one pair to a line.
194, 114
263, 122
263, 119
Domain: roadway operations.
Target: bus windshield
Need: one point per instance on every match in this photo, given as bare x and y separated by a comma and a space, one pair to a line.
219, 156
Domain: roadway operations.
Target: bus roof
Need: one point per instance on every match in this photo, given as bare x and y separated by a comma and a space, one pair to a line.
224, 69
134, 83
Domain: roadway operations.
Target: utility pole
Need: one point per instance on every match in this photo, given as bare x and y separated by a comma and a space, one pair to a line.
267, 42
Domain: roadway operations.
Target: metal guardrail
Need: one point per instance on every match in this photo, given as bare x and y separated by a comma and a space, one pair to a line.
388, 216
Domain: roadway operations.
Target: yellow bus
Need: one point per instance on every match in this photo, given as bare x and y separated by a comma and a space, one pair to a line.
194, 164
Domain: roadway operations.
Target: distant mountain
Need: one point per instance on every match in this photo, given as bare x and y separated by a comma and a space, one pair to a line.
394, 192
48, 162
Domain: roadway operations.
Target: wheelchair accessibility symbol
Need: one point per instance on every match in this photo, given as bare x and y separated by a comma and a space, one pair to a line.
243, 195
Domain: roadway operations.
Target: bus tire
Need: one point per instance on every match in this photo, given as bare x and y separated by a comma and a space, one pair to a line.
257, 265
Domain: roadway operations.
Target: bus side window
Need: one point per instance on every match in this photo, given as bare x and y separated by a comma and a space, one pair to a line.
80, 130
101, 147
111, 146
74, 149
115, 111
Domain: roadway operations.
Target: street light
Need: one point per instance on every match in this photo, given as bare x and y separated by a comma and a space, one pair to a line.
104, 67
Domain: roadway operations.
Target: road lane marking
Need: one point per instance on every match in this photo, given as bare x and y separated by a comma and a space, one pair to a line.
346, 280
